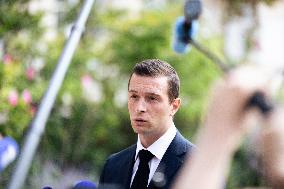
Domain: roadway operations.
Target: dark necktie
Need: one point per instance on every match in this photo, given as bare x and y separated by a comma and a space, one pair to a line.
140, 180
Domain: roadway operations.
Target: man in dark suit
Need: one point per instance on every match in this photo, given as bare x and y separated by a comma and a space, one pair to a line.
153, 100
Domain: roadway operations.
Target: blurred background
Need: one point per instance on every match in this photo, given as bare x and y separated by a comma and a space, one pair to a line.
89, 120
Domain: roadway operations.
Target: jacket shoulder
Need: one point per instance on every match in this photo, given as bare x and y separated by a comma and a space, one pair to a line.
123, 153
117, 169
180, 144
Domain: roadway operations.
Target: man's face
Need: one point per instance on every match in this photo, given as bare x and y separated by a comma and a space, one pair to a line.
150, 111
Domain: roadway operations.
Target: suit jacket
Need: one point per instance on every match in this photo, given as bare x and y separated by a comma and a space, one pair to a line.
117, 171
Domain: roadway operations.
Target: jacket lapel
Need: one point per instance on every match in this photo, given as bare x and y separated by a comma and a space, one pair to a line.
126, 167
170, 163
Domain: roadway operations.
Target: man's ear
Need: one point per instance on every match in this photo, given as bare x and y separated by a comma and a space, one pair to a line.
175, 106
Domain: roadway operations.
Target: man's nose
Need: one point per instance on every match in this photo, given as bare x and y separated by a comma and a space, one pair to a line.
141, 106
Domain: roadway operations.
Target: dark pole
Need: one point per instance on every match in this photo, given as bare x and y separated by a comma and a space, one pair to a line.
215, 59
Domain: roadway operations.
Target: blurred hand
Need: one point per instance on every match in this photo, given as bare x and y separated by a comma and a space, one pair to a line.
272, 149
228, 118
225, 123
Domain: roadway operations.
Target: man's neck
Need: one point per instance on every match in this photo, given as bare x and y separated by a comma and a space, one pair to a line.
148, 140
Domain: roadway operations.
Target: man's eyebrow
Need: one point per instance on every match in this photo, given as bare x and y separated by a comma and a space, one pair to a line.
154, 94
132, 91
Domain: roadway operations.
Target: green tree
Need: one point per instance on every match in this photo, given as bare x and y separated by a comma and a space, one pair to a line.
95, 129
89, 120
18, 33
19, 89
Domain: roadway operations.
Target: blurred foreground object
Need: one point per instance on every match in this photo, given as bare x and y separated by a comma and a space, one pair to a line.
9, 150
85, 185
272, 150
228, 120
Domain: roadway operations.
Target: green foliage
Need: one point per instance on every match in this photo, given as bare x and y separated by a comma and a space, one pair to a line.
10, 12
239, 2
149, 37
16, 108
242, 174
89, 120
235, 6
94, 130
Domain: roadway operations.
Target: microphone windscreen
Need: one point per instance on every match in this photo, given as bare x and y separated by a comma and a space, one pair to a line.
192, 9
85, 185
183, 34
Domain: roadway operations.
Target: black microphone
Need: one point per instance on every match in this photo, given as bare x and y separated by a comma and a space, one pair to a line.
85, 185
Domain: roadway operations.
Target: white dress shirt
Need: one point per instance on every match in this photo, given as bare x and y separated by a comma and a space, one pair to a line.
158, 149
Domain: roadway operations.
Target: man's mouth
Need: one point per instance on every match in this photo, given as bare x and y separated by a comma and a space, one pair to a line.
140, 120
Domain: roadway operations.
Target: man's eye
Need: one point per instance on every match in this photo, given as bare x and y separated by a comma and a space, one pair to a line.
152, 98
133, 96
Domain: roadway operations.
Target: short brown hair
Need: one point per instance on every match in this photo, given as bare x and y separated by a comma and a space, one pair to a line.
156, 68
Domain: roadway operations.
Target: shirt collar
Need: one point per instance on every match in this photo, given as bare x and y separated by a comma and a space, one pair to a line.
159, 147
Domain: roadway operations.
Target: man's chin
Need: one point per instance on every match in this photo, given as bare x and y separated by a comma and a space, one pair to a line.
141, 131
